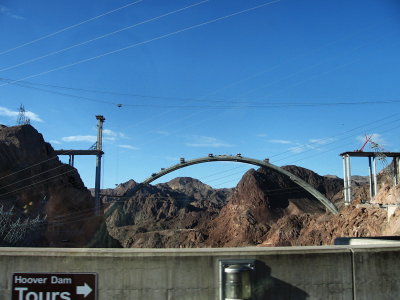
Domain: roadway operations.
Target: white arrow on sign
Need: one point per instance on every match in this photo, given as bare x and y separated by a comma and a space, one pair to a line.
83, 290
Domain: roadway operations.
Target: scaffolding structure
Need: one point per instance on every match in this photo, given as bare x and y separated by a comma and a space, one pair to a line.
373, 178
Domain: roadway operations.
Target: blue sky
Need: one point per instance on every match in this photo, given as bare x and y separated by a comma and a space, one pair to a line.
295, 81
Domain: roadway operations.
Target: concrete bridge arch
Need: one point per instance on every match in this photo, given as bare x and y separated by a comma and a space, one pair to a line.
238, 158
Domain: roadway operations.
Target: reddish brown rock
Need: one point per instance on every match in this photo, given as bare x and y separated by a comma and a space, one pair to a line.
35, 182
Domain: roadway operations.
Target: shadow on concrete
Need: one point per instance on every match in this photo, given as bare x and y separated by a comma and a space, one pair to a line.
267, 287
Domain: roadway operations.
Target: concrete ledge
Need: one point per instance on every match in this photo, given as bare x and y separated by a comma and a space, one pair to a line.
327, 272
171, 251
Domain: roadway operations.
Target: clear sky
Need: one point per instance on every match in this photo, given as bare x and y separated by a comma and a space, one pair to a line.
297, 81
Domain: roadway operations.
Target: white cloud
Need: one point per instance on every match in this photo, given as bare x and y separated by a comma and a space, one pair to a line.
80, 138
130, 147
8, 113
280, 142
7, 12
162, 132
207, 141
54, 142
110, 135
33, 116
109, 132
322, 141
14, 114
314, 144
299, 148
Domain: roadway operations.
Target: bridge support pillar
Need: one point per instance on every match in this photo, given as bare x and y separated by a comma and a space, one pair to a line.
396, 170
71, 160
99, 146
347, 179
373, 181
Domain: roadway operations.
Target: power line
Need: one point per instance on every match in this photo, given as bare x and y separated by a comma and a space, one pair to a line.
69, 27
100, 37
147, 41
18, 83
311, 149
114, 93
390, 129
229, 103
31, 177
36, 183
31, 166
334, 141
311, 156
310, 67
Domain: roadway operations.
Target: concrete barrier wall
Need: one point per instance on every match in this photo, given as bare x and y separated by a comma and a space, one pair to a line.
334, 272
377, 272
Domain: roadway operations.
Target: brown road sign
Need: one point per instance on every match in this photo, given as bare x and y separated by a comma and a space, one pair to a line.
54, 286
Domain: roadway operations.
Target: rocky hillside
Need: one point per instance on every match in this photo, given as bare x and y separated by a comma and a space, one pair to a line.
264, 209
43, 201
261, 199
164, 215
187, 213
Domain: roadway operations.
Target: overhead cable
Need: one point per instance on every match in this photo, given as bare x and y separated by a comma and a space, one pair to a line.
99, 37
69, 27
146, 42
231, 104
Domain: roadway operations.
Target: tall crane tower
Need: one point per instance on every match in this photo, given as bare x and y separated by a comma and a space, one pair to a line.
99, 148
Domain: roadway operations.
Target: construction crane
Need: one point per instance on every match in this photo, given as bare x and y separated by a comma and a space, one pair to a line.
367, 140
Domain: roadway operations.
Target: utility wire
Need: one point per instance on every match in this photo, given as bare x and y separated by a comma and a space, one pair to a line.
147, 41
306, 145
230, 104
27, 84
100, 37
31, 177
114, 93
313, 66
36, 183
388, 130
31, 166
69, 27
310, 146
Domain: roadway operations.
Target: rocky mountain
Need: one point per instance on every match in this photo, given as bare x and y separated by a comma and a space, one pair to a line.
265, 209
261, 199
164, 215
187, 213
43, 201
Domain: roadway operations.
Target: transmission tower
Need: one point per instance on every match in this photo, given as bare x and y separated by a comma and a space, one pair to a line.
22, 118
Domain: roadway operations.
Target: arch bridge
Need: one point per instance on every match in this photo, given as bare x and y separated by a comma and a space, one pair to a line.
238, 158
